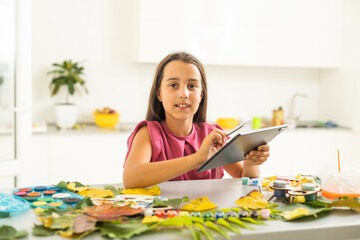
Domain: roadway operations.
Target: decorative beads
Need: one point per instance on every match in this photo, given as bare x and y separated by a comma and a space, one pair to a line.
254, 213
171, 213
243, 213
160, 213
196, 214
231, 214
207, 215
265, 213
219, 214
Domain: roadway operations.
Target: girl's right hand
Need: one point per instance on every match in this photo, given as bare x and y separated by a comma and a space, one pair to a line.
211, 144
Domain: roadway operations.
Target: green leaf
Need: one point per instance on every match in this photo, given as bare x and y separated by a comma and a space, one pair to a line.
313, 211
207, 234
4, 214
125, 230
175, 202
78, 184
240, 223
211, 225
115, 191
40, 230
197, 220
224, 223
194, 232
62, 184
186, 220
84, 203
252, 220
21, 234
7, 232
173, 222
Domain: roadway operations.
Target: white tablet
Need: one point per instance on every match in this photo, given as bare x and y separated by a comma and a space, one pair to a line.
241, 144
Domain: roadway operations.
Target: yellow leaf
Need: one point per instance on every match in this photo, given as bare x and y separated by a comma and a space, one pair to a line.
67, 234
266, 181
72, 187
154, 190
96, 193
199, 204
256, 195
151, 219
251, 202
295, 213
47, 221
39, 210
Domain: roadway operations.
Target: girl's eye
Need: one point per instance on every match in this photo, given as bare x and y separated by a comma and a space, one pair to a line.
192, 86
172, 85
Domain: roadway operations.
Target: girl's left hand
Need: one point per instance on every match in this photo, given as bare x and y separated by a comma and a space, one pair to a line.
259, 156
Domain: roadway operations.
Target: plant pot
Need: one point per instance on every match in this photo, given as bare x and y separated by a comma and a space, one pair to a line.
65, 115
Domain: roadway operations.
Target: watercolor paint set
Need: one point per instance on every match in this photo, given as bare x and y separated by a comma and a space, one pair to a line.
47, 196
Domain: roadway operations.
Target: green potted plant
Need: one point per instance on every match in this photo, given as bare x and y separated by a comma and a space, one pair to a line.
69, 75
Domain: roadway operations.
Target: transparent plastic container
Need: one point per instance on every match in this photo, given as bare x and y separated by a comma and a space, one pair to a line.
345, 183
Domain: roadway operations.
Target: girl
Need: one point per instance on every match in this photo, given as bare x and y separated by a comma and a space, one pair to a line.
175, 138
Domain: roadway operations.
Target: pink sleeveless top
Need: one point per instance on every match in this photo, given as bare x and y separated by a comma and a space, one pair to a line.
166, 145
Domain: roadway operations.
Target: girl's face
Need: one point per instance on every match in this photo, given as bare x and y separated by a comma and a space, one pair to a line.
180, 90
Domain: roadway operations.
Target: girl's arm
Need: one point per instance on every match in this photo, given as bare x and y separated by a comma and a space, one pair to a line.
140, 172
249, 167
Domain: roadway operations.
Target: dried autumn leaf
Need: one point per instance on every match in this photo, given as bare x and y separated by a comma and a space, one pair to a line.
299, 212
109, 212
82, 224
350, 203
199, 204
96, 193
251, 202
154, 190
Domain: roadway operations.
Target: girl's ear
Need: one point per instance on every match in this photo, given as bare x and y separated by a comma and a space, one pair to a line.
158, 95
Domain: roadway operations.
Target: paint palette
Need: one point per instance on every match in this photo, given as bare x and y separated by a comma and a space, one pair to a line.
47, 197
12, 204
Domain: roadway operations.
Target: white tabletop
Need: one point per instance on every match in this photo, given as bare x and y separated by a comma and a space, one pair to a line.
339, 224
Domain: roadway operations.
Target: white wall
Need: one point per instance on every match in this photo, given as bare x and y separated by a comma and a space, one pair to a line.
99, 32
339, 97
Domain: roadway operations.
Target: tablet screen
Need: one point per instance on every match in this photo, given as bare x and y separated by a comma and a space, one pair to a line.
241, 144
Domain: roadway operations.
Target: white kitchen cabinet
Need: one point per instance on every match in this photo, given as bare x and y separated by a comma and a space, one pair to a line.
282, 33
308, 151
96, 158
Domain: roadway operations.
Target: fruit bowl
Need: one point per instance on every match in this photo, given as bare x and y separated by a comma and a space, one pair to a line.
227, 123
106, 117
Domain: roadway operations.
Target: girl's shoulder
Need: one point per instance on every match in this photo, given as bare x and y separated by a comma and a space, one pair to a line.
151, 125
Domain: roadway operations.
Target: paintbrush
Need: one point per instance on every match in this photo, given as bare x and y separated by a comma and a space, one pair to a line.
235, 129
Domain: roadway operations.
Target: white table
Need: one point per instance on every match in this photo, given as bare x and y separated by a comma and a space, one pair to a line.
339, 224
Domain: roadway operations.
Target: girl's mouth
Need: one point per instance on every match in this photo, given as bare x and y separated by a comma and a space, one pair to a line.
182, 105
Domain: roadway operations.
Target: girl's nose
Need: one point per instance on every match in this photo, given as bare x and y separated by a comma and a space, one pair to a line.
184, 93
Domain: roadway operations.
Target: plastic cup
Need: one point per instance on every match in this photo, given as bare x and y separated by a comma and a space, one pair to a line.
256, 122
345, 183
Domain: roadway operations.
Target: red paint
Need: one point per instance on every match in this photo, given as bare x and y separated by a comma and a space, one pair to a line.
25, 190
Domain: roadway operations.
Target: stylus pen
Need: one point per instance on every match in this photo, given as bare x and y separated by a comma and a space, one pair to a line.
237, 128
